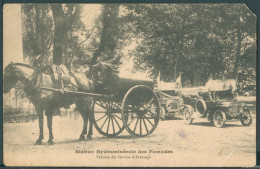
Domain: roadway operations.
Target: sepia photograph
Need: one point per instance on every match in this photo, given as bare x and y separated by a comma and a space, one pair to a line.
129, 85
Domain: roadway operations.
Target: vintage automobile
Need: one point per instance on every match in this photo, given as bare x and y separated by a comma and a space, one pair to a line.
168, 95
217, 102
192, 101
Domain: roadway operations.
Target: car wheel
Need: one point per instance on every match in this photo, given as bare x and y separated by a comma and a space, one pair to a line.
187, 116
246, 118
219, 118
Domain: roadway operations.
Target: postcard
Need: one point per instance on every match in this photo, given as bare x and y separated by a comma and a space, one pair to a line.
129, 85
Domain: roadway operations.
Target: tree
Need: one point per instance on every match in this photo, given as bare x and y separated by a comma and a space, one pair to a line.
48, 33
166, 32
200, 40
64, 16
37, 32
109, 34
238, 21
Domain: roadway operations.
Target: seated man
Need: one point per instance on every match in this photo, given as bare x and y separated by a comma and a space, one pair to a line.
105, 78
63, 78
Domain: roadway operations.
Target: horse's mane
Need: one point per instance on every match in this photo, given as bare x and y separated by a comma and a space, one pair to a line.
23, 64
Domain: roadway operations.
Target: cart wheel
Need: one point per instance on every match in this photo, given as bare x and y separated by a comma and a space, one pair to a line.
107, 118
140, 111
246, 118
219, 118
187, 116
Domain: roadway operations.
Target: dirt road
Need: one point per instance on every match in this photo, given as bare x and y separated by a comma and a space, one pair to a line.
172, 144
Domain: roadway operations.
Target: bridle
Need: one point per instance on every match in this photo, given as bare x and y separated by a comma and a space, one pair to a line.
27, 76
20, 64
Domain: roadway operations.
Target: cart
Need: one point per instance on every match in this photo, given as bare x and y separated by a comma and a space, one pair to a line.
132, 106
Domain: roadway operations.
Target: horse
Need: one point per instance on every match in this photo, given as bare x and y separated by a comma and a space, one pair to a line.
49, 101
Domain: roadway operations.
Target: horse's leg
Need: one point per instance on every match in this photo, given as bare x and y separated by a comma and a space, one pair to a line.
49, 123
39, 112
85, 121
90, 130
90, 118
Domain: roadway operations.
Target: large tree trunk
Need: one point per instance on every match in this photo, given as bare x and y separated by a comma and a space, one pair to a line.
238, 53
176, 68
109, 34
58, 46
179, 39
197, 77
63, 22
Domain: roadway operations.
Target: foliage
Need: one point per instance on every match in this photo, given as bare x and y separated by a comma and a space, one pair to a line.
198, 40
64, 17
11, 111
49, 36
112, 36
37, 32
11, 115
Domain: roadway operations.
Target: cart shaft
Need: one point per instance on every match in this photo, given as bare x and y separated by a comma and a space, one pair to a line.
75, 92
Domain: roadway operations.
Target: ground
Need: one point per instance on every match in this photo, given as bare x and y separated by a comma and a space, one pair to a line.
172, 143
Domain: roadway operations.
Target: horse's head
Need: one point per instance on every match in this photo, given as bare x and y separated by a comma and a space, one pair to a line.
10, 78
